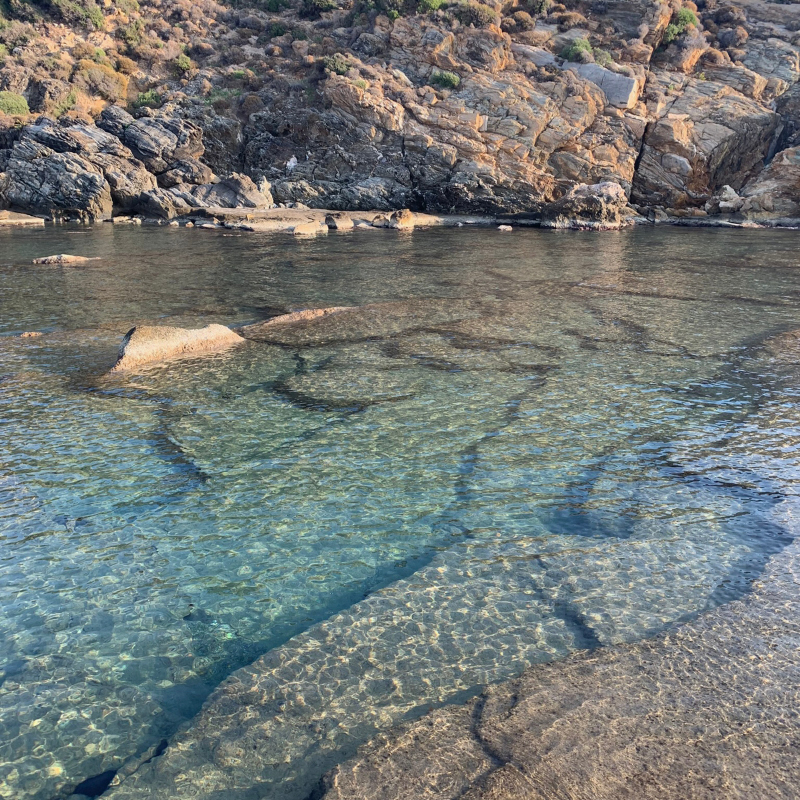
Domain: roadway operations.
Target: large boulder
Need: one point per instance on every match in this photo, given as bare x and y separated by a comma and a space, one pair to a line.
600, 206
161, 203
63, 185
189, 171
160, 142
235, 191
147, 344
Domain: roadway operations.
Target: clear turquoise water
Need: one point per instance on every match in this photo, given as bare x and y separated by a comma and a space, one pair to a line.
537, 442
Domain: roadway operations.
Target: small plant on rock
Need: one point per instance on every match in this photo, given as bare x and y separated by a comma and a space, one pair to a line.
477, 14
182, 64
684, 19
149, 99
13, 103
429, 6
447, 80
577, 50
336, 63
523, 21
313, 9
539, 8
602, 57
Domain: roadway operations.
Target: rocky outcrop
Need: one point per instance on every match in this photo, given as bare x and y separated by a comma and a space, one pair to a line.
711, 135
493, 115
60, 184
597, 207
147, 344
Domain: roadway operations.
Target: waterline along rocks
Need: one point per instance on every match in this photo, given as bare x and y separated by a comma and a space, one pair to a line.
498, 108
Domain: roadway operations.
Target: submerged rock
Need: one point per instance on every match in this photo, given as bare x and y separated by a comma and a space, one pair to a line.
146, 344
699, 712
63, 258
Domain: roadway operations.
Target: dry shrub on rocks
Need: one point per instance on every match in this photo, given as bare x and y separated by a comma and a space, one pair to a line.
100, 79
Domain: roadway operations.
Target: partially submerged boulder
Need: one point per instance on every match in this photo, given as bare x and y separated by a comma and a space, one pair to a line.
339, 221
309, 229
147, 344
599, 206
402, 220
295, 317
64, 258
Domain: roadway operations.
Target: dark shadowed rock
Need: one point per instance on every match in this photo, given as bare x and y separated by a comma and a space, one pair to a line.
161, 141
189, 171
600, 206
235, 191
64, 184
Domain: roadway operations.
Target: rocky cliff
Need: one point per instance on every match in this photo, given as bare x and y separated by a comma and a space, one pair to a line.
507, 107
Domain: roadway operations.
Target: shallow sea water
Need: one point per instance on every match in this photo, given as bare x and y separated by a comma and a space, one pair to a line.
524, 445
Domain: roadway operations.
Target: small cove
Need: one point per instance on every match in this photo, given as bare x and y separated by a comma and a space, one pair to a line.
538, 443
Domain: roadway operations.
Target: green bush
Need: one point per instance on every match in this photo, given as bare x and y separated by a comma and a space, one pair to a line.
575, 49
313, 9
361, 83
429, 6
336, 63
66, 104
13, 103
684, 19
132, 33
151, 99
393, 14
671, 33
477, 14
182, 64
539, 7
447, 80
602, 57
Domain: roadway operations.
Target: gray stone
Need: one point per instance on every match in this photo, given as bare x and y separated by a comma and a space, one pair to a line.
235, 191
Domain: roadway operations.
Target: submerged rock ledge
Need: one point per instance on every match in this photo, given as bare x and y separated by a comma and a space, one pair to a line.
709, 710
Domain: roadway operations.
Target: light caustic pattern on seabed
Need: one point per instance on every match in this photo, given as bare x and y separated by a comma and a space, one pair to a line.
486, 467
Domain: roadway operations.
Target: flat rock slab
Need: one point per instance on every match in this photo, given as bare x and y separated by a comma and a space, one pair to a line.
707, 711
63, 258
10, 219
146, 344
